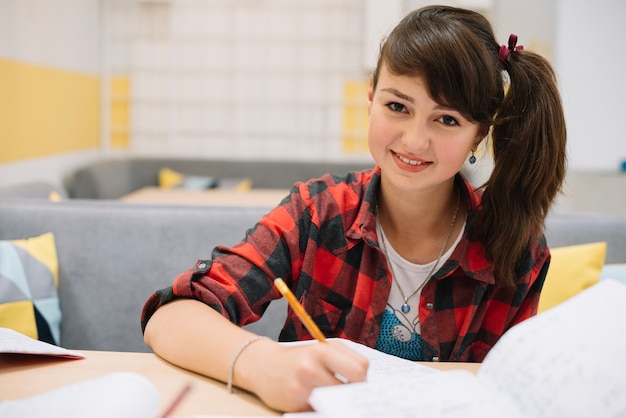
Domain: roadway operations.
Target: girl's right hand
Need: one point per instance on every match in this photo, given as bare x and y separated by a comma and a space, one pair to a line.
283, 376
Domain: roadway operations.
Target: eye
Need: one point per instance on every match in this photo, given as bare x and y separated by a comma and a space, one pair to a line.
448, 120
396, 107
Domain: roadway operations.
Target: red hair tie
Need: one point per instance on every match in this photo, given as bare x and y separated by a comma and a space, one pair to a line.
504, 52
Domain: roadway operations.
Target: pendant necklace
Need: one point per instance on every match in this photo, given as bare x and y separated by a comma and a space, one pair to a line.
405, 306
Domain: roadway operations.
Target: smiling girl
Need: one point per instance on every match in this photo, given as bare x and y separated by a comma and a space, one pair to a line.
407, 257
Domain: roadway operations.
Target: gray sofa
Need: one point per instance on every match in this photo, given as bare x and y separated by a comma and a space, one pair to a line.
114, 178
112, 255
31, 189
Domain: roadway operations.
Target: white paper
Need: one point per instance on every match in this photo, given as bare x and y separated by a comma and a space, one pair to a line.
14, 342
381, 365
119, 395
450, 394
569, 361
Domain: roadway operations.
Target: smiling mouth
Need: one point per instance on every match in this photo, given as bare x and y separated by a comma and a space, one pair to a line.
410, 162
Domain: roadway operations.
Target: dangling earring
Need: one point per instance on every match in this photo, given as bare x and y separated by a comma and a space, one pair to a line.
472, 158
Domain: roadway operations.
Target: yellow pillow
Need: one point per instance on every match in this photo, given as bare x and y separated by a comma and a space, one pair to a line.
170, 178
54, 196
237, 184
29, 279
572, 269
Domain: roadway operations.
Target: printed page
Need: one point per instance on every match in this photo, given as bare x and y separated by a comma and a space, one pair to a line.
119, 395
16, 343
382, 365
401, 388
569, 361
450, 394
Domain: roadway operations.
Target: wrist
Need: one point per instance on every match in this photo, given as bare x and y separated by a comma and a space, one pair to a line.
239, 367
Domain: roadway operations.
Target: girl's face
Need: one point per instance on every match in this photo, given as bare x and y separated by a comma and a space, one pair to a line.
417, 142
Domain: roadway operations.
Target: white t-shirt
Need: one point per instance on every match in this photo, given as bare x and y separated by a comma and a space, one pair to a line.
400, 331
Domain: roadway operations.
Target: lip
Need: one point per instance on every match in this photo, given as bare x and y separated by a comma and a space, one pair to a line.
410, 164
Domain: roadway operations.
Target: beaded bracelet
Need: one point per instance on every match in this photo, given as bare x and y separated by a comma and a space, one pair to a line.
231, 368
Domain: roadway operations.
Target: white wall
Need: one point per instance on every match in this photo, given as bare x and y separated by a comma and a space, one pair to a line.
61, 34
237, 79
582, 39
590, 60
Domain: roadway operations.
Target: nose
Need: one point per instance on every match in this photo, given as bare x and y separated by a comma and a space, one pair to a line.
416, 136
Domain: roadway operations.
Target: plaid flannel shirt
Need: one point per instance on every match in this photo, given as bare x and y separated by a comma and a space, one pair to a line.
322, 241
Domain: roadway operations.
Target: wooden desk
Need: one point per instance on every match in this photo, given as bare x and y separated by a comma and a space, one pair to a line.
252, 197
26, 375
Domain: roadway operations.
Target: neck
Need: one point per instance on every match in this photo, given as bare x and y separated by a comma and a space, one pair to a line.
426, 211
417, 228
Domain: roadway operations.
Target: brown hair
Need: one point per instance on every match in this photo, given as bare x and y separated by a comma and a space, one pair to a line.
455, 51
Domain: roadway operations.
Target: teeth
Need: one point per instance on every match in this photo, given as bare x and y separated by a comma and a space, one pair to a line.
411, 162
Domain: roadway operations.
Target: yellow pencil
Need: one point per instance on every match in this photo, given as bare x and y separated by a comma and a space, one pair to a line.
295, 305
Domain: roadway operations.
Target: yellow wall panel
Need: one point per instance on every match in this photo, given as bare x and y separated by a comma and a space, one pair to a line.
46, 111
355, 118
120, 111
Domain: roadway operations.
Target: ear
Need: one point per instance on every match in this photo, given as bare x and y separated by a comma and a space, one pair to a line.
370, 97
483, 131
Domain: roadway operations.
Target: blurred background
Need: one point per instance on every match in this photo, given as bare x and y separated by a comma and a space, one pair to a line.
85, 80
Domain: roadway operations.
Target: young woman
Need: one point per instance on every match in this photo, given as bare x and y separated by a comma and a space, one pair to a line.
408, 257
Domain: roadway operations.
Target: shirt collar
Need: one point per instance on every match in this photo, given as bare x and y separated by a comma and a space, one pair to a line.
364, 225
469, 255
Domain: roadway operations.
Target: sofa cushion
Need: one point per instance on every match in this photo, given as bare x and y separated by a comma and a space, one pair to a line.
563, 229
113, 255
29, 302
34, 189
114, 178
572, 269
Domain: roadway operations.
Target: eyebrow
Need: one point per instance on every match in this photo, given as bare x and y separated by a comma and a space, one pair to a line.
399, 94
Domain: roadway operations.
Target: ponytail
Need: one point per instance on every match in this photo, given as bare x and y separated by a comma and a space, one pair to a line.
455, 52
529, 150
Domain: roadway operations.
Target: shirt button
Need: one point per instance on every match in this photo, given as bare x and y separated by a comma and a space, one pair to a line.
430, 305
435, 358
201, 265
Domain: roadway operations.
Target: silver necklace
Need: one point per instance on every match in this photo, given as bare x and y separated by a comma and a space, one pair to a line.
405, 306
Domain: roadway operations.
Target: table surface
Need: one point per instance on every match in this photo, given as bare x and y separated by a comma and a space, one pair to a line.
222, 197
23, 375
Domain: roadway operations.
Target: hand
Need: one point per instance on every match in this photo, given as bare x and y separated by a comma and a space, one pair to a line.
283, 376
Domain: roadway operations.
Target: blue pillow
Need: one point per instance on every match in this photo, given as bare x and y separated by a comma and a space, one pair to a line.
198, 182
29, 301
614, 271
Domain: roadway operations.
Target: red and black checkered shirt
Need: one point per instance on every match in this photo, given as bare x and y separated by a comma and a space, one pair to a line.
322, 241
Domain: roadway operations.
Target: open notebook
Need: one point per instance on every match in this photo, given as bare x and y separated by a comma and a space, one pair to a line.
13, 342
119, 395
568, 361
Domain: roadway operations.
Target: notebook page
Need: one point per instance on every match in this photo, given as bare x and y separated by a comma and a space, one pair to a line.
400, 388
384, 365
119, 395
567, 361
450, 394
16, 343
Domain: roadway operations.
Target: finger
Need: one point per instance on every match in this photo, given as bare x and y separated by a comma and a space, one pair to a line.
345, 364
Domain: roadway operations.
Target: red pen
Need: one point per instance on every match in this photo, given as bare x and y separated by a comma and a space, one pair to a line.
177, 400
